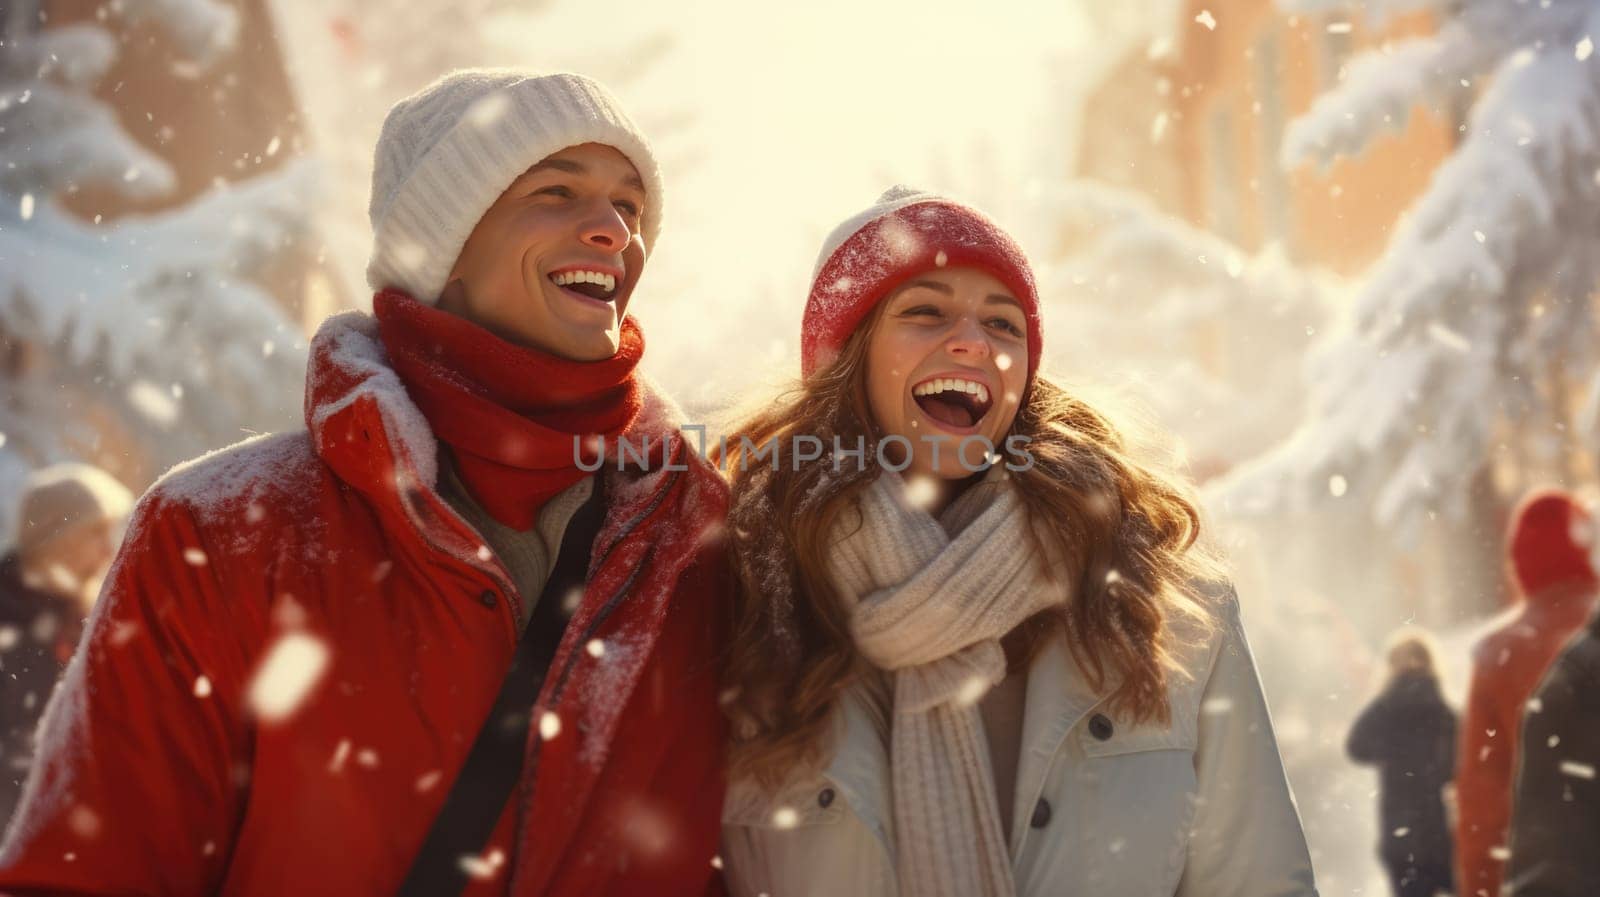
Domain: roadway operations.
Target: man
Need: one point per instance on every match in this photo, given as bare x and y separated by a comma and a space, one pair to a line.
1555, 825
297, 678
66, 533
1549, 545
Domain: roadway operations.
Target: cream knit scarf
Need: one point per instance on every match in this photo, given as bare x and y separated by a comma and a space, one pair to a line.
931, 600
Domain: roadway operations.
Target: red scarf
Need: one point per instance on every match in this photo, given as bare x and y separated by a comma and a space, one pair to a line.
508, 414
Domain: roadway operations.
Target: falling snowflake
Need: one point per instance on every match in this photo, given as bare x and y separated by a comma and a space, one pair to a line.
1448, 338
785, 818
486, 112
483, 867
194, 557
1577, 770
292, 667
549, 725
1207, 19
152, 402
971, 691
596, 648
921, 492
202, 687
427, 780
340, 754
84, 822
1584, 49
1337, 486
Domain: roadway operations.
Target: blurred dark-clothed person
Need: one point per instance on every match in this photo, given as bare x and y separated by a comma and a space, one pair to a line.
68, 521
1555, 822
1409, 733
1548, 548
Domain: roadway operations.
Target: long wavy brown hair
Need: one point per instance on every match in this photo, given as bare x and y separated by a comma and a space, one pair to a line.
1126, 536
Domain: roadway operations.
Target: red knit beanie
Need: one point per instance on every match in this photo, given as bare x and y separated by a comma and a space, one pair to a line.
905, 233
1550, 541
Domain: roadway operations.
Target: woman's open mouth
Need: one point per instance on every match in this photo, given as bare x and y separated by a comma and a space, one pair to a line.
953, 401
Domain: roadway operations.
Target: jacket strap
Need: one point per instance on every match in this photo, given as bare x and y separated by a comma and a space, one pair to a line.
494, 765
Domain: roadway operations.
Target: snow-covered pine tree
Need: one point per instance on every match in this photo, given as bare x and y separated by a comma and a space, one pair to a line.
152, 321
1206, 336
1468, 333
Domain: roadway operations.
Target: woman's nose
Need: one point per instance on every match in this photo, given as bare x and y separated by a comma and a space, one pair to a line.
968, 342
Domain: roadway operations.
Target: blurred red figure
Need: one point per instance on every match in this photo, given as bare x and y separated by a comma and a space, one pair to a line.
1548, 548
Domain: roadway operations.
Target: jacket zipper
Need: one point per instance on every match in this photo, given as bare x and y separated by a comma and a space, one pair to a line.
530, 774
494, 569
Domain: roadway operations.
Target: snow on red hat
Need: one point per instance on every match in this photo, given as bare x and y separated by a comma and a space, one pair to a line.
905, 233
1551, 536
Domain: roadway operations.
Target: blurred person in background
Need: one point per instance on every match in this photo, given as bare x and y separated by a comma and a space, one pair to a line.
1409, 733
1555, 819
1548, 548
69, 521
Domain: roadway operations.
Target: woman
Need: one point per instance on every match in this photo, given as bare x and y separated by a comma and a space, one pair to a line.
1409, 733
1089, 724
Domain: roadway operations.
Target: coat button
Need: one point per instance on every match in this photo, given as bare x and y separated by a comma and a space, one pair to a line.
1041, 814
1100, 727
825, 798
487, 598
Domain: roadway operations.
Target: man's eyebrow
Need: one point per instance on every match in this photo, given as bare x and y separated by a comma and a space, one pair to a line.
571, 167
567, 165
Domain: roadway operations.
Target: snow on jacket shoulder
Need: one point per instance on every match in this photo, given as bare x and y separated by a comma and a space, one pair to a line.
182, 756
1103, 806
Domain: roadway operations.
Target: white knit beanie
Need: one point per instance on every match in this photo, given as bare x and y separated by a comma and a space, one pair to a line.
61, 499
447, 152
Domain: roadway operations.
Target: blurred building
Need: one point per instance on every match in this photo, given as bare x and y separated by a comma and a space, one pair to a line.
236, 120
233, 121
1195, 121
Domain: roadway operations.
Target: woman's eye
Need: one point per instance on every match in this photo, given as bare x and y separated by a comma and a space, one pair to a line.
556, 190
920, 311
627, 207
1007, 326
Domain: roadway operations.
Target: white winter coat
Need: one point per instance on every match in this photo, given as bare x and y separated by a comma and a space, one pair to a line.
1103, 808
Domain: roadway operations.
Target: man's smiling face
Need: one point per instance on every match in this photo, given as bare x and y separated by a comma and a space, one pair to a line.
553, 262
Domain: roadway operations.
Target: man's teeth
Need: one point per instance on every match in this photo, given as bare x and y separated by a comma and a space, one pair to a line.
951, 384
568, 278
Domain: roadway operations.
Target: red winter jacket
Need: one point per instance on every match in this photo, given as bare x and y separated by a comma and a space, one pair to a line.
155, 776
1552, 568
